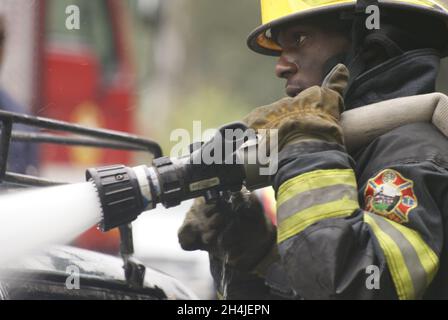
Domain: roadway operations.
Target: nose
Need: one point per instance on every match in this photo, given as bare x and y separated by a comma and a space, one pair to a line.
285, 68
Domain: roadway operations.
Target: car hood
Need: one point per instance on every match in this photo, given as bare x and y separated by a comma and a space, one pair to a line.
94, 266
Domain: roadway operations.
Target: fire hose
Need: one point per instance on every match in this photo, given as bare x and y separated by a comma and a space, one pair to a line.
126, 192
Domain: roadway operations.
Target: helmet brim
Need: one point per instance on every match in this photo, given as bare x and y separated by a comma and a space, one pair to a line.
259, 42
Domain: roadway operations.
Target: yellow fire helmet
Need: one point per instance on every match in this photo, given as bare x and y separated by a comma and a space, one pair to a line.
278, 12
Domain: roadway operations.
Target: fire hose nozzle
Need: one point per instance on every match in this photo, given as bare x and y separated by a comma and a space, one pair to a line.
127, 192
123, 193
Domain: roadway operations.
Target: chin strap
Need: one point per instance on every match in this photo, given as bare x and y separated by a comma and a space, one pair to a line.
353, 58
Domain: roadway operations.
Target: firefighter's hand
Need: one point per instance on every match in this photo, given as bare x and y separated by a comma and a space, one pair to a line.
239, 234
313, 114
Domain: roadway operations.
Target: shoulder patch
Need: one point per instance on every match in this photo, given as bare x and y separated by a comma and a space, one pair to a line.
391, 195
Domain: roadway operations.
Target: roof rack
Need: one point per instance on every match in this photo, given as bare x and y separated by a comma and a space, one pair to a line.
80, 136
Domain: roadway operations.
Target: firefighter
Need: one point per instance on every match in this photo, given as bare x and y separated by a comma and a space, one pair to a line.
368, 224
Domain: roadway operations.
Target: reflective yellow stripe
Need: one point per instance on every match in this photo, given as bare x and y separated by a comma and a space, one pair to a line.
397, 266
291, 223
412, 263
314, 180
426, 255
303, 219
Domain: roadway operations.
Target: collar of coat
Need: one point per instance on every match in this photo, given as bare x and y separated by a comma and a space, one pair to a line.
411, 73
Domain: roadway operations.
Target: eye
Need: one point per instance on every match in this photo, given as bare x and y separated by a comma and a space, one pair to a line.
299, 38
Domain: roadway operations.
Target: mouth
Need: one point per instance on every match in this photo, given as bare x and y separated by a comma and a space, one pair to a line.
292, 90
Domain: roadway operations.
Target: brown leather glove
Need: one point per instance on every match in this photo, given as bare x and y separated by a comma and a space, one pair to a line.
313, 114
238, 233
242, 230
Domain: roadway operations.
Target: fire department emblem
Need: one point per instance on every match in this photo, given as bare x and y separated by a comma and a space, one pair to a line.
390, 195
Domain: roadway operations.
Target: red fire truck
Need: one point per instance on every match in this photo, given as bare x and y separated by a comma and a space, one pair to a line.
82, 75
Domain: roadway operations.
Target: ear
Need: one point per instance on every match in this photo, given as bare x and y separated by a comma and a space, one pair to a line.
337, 79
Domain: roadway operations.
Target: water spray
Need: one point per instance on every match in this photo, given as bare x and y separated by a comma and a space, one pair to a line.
33, 219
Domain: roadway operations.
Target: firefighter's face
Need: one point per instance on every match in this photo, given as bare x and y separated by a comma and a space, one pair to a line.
306, 49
